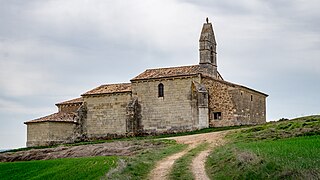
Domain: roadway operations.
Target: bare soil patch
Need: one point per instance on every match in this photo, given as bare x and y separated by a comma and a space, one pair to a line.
118, 148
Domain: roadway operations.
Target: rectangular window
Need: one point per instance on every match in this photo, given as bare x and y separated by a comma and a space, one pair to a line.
251, 98
217, 115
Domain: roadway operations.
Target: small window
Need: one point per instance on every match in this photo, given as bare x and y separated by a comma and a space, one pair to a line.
160, 90
251, 98
217, 115
211, 54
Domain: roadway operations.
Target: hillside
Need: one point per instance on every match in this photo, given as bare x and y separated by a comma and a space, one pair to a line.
278, 150
287, 149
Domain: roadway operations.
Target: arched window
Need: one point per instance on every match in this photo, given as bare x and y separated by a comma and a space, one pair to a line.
160, 90
211, 54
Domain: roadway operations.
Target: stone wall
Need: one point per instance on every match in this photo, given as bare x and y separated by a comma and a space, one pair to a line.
200, 95
106, 114
250, 106
176, 111
49, 133
234, 103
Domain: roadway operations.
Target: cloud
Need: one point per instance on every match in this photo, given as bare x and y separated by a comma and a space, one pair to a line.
135, 21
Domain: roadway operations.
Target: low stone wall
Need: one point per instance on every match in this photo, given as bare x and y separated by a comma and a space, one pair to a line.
49, 133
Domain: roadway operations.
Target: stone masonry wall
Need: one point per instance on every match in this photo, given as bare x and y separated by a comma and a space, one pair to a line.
220, 100
106, 114
37, 134
176, 111
234, 103
49, 133
250, 106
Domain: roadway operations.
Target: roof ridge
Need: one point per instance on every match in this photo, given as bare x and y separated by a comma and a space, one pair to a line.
173, 67
168, 72
128, 83
109, 88
71, 101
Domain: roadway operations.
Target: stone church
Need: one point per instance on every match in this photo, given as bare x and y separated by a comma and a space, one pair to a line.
161, 100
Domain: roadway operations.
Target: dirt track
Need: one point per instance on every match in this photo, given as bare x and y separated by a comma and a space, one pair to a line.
163, 167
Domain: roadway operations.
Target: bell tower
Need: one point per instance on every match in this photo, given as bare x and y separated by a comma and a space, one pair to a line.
208, 50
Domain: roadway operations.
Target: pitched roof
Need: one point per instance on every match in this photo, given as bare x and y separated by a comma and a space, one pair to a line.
72, 101
109, 89
236, 85
56, 117
168, 72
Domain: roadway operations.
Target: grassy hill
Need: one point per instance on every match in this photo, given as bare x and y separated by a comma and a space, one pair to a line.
277, 150
287, 149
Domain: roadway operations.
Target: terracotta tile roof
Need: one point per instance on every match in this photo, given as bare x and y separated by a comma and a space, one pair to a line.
109, 89
168, 72
56, 117
72, 101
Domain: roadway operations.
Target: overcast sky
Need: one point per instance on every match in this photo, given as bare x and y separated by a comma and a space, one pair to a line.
54, 50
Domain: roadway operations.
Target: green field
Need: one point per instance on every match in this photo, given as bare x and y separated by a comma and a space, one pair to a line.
69, 168
134, 167
282, 150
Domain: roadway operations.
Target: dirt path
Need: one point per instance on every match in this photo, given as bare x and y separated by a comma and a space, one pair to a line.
164, 166
198, 165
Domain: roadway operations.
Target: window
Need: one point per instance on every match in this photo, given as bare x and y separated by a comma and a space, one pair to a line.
160, 90
251, 98
217, 115
211, 55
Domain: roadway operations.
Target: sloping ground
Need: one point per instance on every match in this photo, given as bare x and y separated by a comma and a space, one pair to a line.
275, 131
279, 150
247, 152
118, 148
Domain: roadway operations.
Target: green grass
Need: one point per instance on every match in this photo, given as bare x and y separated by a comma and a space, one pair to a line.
69, 168
181, 168
282, 150
138, 167
296, 153
305, 126
135, 167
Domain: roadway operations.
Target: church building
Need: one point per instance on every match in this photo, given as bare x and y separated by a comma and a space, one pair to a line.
161, 100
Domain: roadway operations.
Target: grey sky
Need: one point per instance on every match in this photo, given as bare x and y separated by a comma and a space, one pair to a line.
53, 50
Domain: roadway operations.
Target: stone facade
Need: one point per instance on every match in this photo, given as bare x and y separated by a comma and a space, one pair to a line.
49, 133
106, 114
238, 105
175, 111
161, 100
